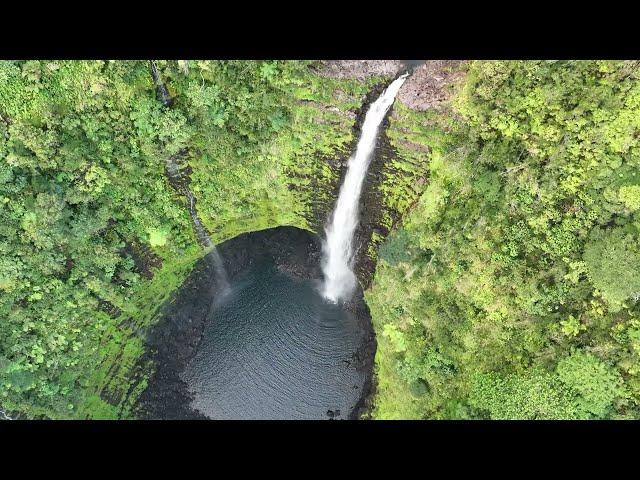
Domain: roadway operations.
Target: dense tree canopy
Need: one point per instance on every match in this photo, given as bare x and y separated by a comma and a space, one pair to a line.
518, 268
509, 290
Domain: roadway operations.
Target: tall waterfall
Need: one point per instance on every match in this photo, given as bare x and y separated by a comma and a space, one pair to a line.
337, 264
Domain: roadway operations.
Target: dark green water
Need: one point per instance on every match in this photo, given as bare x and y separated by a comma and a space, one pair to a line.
273, 348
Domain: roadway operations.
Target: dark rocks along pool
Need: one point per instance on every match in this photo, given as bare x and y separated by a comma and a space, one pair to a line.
270, 348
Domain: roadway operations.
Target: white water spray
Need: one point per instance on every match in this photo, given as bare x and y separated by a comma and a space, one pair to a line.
337, 265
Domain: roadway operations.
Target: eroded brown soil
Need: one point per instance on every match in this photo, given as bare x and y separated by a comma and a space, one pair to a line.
431, 84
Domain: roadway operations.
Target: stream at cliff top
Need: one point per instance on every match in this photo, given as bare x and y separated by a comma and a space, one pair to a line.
270, 348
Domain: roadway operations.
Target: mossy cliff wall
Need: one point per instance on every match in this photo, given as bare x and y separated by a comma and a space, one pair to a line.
101, 238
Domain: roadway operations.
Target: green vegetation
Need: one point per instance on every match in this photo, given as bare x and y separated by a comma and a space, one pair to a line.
403, 178
93, 239
511, 289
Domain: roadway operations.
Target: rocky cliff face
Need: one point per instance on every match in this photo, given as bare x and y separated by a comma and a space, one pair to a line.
359, 69
431, 84
312, 159
397, 174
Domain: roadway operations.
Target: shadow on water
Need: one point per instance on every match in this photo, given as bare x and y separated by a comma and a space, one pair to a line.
270, 348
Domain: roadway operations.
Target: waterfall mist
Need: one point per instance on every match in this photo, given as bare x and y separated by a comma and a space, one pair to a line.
337, 264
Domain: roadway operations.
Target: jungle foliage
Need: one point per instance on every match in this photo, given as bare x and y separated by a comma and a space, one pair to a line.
512, 289
92, 237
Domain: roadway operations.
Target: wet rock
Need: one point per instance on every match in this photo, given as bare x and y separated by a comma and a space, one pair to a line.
161, 89
176, 338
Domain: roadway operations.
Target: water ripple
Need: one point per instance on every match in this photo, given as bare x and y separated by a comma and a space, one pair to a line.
275, 349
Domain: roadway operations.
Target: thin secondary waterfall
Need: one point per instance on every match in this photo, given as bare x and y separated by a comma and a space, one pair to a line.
179, 182
221, 273
161, 88
337, 264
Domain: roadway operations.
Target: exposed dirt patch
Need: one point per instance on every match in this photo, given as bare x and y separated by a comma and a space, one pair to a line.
416, 147
431, 84
330, 109
145, 260
108, 308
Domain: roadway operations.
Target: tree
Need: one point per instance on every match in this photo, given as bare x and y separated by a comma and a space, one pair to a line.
613, 260
595, 384
630, 196
534, 395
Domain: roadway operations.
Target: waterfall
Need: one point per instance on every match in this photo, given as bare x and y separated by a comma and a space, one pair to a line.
180, 182
161, 88
4, 416
203, 236
337, 264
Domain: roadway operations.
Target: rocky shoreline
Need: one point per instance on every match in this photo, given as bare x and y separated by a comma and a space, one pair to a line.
175, 338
